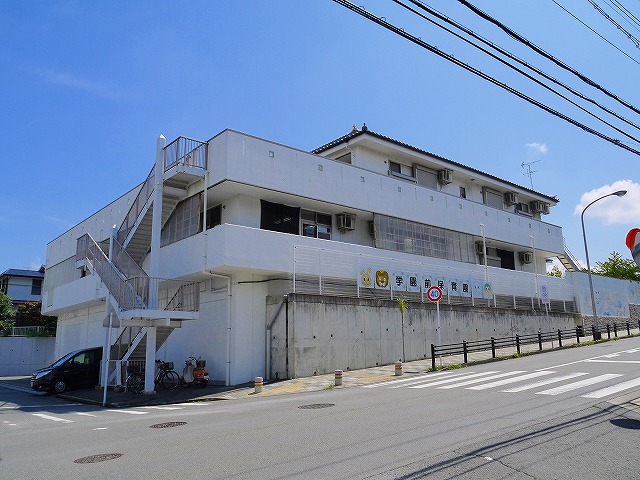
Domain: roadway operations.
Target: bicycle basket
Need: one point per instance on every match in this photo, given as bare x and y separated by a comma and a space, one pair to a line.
167, 366
201, 363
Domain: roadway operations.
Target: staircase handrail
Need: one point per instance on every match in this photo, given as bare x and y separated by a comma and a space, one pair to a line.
185, 151
578, 266
127, 265
136, 207
126, 297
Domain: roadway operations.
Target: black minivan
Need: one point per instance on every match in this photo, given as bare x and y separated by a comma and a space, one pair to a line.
79, 369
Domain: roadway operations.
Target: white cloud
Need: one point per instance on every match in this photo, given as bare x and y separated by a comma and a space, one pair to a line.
72, 81
537, 148
613, 210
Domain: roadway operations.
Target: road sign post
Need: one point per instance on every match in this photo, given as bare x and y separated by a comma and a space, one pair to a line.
434, 294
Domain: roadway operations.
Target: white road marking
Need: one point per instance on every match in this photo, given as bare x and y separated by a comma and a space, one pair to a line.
612, 361
50, 417
506, 381
541, 383
449, 380
100, 428
406, 379
589, 359
478, 380
130, 412
582, 383
85, 414
162, 407
603, 392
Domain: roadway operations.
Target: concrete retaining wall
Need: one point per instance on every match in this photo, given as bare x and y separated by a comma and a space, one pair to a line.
23, 355
329, 333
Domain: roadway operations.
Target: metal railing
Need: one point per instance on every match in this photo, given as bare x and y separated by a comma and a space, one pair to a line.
133, 293
518, 341
31, 331
137, 207
185, 151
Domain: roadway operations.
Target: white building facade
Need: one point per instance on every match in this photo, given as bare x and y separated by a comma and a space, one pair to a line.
270, 261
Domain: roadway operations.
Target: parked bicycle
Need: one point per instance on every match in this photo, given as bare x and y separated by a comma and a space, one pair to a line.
166, 377
135, 379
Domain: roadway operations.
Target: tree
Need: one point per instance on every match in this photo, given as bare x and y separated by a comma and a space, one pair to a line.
555, 272
28, 314
7, 314
618, 267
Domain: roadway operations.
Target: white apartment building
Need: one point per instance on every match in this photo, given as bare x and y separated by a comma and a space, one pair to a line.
270, 261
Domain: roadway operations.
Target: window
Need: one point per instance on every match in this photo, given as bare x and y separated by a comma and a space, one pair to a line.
427, 178
418, 238
493, 199
400, 170
214, 216
463, 192
346, 158
279, 218
316, 225
185, 221
36, 286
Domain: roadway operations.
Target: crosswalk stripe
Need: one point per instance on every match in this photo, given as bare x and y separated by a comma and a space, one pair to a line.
429, 377
403, 380
542, 383
478, 380
51, 417
603, 392
449, 380
582, 383
506, 381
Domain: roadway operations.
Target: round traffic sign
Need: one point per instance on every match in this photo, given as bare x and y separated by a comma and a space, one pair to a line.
434, 293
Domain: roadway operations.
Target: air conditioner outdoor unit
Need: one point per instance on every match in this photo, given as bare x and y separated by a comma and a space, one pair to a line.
526, 257
510, 198
346, 221
445, 176
479, 248
523, 208
372, 230
539, 207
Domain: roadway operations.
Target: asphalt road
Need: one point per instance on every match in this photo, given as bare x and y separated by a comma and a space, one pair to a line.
541, 416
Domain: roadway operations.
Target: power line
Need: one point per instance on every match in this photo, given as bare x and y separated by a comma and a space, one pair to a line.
521, 62
382, 22
617, 25
609, 42
540, 51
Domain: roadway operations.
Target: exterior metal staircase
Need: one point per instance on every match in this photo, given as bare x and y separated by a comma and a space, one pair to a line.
131, 290
568, 260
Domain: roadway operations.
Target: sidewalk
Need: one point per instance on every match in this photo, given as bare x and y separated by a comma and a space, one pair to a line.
352, 378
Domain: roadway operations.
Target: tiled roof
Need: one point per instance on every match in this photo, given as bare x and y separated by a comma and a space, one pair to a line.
14, 272
365, 131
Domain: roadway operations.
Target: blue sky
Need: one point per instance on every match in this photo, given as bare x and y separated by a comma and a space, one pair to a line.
89, 86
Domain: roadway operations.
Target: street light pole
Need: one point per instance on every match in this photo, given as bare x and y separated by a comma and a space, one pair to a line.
619, 193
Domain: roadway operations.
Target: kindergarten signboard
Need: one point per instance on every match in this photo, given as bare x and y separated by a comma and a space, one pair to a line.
383, 278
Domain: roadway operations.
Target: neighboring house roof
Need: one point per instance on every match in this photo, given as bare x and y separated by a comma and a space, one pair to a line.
14, 272
365, 131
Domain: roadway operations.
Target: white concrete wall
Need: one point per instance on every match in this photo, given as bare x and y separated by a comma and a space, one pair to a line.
340, 333
80, 328
612, 295
252, 161
24, 355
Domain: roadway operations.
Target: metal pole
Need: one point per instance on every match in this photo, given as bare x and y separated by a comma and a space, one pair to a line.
619, 193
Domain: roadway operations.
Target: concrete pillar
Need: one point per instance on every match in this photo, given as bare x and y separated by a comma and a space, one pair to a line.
398, 368
156, 226
338, 378
258, 384
150, 357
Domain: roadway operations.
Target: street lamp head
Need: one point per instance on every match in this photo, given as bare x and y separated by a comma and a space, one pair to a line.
620, 193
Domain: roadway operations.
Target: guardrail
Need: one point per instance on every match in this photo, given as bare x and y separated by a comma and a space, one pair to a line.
32, 331
540, 338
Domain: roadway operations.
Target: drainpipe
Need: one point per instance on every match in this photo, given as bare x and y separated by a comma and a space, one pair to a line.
227, 381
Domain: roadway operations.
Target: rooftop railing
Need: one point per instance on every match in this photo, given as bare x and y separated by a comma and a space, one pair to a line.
185, 151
